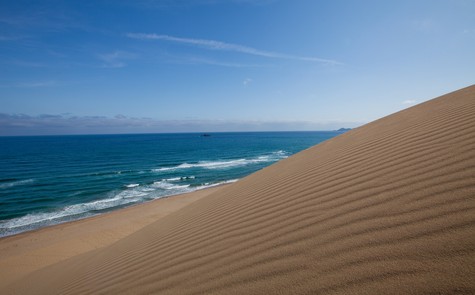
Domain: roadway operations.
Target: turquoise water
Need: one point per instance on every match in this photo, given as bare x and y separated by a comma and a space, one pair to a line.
53, 179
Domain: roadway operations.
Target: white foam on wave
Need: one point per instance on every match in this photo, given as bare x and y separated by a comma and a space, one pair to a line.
179, 178
132, 185
164, 169
208, 185
123, 198
136, 194
169, 186
172, 179
15, 183
226, 164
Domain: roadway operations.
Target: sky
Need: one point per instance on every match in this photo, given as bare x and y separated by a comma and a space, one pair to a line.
146, 66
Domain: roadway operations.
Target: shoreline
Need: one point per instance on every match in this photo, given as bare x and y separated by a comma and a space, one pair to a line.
25, 252
224, 183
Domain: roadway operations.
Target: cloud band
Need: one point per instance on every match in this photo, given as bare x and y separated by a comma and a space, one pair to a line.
223, 46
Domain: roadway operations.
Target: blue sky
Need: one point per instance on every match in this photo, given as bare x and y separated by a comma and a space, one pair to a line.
75, 67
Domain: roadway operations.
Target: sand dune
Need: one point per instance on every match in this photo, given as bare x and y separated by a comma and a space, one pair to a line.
27, 252
387, 208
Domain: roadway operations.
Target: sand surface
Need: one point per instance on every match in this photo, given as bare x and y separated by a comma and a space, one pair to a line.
24, 253
387, 208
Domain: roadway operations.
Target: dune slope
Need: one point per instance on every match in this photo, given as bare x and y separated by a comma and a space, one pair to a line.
387, 208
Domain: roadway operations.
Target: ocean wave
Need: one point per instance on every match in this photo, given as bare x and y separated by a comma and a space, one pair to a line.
208, 185
179, 178
49, 218
227, 164
15, 183
110, 173
169, 186
128, 196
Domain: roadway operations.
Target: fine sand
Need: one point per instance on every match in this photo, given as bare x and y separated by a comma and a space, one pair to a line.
387, 208
24, 253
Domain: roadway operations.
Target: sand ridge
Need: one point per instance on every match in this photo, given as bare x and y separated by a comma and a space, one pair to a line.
387, 208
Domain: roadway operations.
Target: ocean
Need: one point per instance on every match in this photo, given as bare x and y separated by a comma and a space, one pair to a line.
46, 180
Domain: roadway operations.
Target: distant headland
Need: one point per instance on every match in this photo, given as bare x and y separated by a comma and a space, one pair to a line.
344, 129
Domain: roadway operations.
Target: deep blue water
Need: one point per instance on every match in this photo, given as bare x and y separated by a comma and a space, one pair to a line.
52, 179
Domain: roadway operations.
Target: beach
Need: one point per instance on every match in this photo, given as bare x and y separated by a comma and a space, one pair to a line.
24, 253
386, 208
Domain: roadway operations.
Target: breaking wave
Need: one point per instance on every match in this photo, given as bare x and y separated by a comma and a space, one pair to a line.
227, 164
133, 194
13, 183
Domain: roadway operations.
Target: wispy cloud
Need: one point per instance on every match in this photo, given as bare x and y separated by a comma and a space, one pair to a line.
40, 16
38, 84
409, 101
33, 84
424, 25
26, 64
246, 81
223, 46
9, 38
469, 32
254, 2
195, 60
192, 3
116, 59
